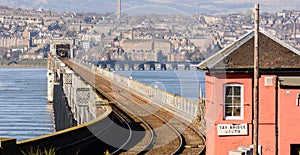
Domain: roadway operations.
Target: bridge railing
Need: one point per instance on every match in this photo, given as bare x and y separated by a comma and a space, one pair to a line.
79, 139
80, 96
183, 106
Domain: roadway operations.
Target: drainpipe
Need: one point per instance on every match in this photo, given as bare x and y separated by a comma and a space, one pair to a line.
276, 114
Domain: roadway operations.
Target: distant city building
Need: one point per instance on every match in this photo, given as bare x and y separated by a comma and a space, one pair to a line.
177, 37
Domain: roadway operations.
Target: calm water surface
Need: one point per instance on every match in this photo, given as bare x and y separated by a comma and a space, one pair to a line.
24, 111
186, 83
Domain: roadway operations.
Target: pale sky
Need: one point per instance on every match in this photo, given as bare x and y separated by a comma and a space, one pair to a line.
188, 6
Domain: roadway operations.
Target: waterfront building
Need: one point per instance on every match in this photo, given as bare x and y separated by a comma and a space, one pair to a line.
229, 97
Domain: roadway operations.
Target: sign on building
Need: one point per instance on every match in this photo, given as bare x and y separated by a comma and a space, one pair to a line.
232, 129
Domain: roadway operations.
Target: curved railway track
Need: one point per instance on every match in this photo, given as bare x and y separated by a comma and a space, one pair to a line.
164, 143
142, 134
164, 132
193, 140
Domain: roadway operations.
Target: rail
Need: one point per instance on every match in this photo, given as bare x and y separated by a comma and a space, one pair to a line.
145, 109
144, 145
113, 90
186, 108
105, 89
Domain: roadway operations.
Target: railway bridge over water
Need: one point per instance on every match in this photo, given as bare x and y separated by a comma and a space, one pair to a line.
145, 65
98, 111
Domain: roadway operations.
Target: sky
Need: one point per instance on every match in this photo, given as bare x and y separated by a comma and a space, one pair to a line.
171, 6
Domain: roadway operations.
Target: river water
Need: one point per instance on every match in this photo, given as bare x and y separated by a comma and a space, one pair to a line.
186, 83
24, 111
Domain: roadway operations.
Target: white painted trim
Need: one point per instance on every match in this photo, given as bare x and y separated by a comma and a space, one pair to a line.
242, 102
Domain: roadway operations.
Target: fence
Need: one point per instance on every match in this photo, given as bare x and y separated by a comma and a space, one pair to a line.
81, 98
185, 107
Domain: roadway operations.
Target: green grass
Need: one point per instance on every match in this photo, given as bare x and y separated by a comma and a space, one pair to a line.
31, 151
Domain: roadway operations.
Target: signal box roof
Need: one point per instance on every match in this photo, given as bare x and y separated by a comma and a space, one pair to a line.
274, 54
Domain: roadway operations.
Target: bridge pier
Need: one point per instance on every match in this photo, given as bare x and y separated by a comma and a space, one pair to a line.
129, 66
181, 67
119, 66
74, 100
152, 66
187, 66
174, 67
163, 67
50, 84
110, 66
77, 140
144, 65
82, 96
126, 67
62, 112
141, 66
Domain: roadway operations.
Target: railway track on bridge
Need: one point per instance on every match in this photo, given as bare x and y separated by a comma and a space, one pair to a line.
164, 132
141, 132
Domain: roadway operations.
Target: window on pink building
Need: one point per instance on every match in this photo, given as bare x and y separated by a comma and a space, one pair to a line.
233, 101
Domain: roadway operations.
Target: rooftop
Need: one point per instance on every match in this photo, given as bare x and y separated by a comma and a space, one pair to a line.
273, 54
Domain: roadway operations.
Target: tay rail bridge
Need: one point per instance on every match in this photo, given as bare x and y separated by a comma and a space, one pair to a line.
99, 112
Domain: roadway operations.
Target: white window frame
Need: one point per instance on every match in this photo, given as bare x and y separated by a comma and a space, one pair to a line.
241, 117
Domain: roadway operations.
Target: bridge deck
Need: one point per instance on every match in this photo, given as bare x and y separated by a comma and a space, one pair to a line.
172, 134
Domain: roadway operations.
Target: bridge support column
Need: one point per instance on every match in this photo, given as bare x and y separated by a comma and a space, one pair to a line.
163, 66
174, 66
67, 79
126, 67
181, 67
111, 66
69, 90
131, 67
187, 67
152, 66
82, 96
141, 67
50, 85
63, 114
102, 65
119, 67
82, 114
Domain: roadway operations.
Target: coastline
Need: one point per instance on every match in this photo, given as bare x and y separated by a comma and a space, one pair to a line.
23, 64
